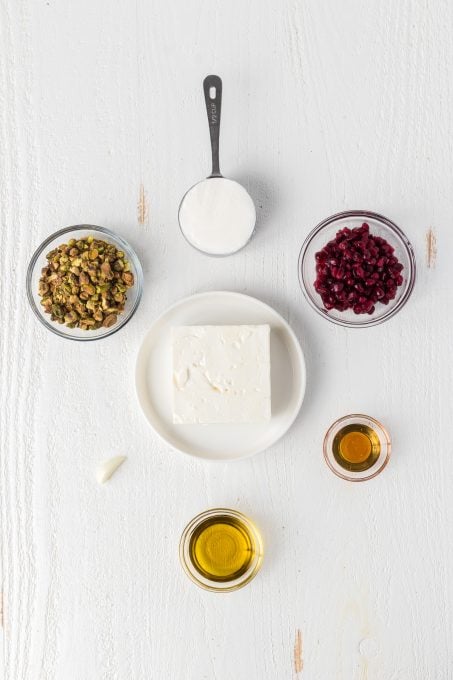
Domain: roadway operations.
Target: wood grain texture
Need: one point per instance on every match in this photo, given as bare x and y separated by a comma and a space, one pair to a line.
431, 248
327, 106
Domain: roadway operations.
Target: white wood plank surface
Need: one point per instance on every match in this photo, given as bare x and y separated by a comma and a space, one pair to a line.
327, 106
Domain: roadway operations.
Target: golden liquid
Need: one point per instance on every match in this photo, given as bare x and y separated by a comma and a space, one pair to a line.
222, 548
356, 447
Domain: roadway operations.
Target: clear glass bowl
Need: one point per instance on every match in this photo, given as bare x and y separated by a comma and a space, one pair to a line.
38, 261
378, 465
379, 226
196, 576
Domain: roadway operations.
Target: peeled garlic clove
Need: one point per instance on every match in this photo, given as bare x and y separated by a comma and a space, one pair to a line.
106, 469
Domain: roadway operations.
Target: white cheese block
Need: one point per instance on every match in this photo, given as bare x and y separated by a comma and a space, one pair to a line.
221, 374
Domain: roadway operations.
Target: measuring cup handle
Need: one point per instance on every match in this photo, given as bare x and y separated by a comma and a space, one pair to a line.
212, 86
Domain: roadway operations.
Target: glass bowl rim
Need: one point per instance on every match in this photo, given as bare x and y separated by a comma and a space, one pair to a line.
185, 538
84, 227
351, 477
407, 245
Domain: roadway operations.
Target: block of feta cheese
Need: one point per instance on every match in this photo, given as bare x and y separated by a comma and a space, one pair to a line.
221, 374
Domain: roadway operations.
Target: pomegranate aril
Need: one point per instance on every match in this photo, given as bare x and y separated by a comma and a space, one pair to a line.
337, 272
368, 305
355, 270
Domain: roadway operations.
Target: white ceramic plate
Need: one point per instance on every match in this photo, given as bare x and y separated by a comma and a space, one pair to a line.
153, 377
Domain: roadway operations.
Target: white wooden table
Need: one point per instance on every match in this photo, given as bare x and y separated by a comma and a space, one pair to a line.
327, 106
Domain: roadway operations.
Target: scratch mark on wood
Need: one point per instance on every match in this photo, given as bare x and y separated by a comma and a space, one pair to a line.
298, 660
431, 248
142, 206
1, 609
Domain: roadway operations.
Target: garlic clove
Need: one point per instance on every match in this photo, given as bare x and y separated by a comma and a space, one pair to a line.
107, 468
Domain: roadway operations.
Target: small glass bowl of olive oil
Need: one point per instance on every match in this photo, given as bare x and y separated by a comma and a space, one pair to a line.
357, 447
221, 550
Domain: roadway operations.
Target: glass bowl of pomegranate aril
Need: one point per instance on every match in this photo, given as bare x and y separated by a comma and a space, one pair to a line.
357, 268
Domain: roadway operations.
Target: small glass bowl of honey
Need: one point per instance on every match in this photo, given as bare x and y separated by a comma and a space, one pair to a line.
357, 447
221, 550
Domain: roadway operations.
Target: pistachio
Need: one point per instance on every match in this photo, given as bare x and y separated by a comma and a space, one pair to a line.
109, 320
71, 317
84, 283
57, 310
106, 270
128, 279
43, 287
89, 288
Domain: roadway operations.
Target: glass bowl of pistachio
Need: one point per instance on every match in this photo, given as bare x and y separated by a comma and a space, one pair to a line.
84, 282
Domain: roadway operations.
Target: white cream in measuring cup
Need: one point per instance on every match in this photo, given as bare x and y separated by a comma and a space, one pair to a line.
217, 215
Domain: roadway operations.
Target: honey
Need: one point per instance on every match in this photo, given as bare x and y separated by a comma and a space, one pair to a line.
356, 447
222, 548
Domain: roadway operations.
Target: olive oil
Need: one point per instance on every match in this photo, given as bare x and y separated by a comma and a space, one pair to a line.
222, 548
356, 447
